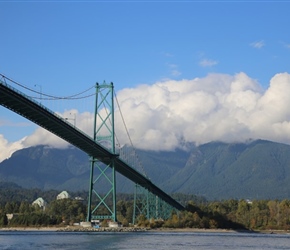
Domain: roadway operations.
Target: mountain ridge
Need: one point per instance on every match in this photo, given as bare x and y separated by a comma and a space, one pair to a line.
257, 169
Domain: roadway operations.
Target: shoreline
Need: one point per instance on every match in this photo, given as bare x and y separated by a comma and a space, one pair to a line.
13, 229
136, 229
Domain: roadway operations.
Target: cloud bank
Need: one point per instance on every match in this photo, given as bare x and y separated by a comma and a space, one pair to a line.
164, 115
217, 107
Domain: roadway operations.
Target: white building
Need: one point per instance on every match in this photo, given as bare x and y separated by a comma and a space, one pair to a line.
40, 202
63, 195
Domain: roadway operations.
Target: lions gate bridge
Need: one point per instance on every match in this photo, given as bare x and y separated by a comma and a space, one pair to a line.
149, 200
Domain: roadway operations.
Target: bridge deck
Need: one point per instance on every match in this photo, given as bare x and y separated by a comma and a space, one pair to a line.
39, 114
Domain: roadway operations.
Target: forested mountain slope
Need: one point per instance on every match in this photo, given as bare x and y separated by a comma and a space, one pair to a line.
216, 170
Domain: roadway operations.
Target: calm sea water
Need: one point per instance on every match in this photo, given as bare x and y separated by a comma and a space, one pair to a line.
144, 240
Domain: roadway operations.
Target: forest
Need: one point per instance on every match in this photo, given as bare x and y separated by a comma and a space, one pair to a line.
199, 213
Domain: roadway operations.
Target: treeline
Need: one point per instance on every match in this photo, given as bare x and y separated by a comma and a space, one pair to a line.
58, 212
234, 214
256, 214
230, 214
18, 201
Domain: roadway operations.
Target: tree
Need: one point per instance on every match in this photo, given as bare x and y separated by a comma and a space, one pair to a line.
243, 215
11, 207
3, 220
24, 207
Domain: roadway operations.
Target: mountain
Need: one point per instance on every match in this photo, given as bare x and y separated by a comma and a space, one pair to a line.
257, 170
47, 168
254, 170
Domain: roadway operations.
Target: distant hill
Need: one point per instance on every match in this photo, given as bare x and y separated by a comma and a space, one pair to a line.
257, 170
47, 168
254, 170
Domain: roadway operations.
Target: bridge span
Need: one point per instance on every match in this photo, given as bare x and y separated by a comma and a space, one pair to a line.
25, 106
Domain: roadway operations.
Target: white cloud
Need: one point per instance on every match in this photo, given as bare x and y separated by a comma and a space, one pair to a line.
207, 62
83, 121
174, 70
7, 148
258, 44
217, 107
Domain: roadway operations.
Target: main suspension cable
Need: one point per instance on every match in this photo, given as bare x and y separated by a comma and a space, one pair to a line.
134, 149
51, 97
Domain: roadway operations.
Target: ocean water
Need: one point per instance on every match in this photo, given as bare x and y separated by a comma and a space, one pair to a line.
142, 240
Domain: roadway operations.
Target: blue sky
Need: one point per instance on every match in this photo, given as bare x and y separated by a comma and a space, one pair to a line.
67, 46
133, 42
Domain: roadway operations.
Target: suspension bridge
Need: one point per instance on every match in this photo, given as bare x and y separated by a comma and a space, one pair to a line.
149, 199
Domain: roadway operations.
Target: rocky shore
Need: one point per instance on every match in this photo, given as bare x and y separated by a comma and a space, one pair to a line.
103, 229
135, 229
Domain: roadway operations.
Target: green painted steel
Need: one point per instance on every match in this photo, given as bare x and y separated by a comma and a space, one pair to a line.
103, 205
150, 206
140, 203
21, 104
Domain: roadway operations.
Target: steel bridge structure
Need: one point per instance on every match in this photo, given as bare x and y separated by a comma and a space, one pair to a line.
34, 111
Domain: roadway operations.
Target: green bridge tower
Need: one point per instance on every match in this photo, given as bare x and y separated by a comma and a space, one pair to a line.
102, 190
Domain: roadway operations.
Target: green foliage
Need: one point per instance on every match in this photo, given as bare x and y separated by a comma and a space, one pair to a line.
3, 220
66, 210
104, 223
156, 223
234, 214
231, 214
125, 211
242, 214
33, 219
124, 222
